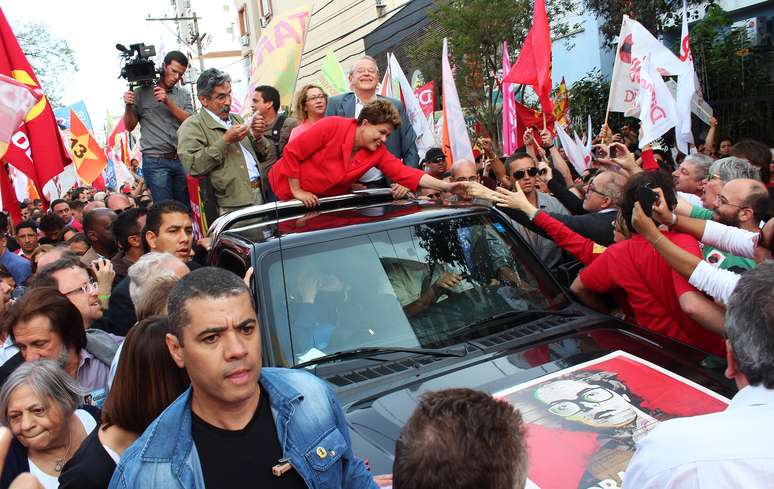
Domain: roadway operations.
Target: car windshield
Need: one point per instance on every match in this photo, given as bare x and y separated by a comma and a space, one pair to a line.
406, 287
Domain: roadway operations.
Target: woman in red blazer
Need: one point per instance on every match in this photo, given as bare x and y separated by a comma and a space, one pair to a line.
334, 153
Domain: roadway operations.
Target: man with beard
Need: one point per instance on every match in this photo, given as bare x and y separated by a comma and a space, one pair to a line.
44, 324
742, 203
221, 146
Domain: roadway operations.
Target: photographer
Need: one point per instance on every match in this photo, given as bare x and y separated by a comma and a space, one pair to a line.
160, 109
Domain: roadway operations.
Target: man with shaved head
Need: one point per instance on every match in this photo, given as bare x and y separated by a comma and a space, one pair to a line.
118, 203
742, 203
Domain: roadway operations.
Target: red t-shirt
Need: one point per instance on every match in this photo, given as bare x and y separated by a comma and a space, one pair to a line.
653, 288
321, 158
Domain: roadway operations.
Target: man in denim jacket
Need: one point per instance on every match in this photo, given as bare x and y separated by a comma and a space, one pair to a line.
238, 425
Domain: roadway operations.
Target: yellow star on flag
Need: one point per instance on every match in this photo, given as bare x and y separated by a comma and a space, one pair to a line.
87, 154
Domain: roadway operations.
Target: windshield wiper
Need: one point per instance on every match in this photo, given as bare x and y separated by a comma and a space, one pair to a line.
514, 315
369, 351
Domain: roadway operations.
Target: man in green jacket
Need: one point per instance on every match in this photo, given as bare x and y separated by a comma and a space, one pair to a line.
222, 146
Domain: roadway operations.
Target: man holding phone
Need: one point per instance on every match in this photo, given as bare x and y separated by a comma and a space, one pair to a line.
662, 300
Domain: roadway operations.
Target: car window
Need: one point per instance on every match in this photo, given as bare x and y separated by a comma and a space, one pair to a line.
407, 287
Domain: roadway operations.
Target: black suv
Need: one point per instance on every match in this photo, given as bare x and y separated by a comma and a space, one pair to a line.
388, 299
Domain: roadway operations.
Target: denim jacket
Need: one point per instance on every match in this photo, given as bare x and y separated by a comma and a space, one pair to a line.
307, 415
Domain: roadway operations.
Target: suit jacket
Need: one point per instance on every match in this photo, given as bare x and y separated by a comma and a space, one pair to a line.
596, 226
402, 141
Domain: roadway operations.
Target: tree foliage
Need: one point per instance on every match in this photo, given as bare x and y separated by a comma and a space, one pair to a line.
655, 15
736, 78
52, 58
588, 96
477, 30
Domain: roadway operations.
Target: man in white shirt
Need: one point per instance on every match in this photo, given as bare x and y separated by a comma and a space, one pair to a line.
731, 448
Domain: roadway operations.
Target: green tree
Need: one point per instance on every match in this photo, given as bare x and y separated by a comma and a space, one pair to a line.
736, 77
655, 15
52, 58
477, 29
588, 96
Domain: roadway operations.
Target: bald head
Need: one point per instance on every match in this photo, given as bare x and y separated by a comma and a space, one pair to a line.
464, 170
97, 204
742, 202
118, 202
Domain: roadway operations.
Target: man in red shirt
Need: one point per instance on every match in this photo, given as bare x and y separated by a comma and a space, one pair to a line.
333, 154
662, 300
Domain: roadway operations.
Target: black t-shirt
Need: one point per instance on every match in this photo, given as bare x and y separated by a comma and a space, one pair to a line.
90, 468
243, 458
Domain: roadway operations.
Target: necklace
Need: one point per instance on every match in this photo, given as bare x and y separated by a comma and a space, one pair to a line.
60, 462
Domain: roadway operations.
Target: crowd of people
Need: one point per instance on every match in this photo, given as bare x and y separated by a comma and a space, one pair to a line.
125, 362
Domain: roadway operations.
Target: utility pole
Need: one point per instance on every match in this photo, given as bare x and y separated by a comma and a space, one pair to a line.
195, 36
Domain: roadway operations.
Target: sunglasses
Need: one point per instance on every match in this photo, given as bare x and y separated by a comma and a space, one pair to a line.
519, 174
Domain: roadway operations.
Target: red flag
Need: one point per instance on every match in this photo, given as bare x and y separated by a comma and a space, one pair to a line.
117, 143
426, 96
533, 67
8, 201
36, 147
526, 117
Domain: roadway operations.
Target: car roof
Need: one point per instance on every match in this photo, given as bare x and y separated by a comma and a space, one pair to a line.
265, 222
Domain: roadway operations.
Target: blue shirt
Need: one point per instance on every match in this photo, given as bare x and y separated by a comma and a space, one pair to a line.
19, 267
311, 428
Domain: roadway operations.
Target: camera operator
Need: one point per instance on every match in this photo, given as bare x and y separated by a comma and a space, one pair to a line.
160, 109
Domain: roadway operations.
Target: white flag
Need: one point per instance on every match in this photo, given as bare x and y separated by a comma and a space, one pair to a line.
686, 88
634, 43
424, 132
573, 149
658, 112
454, 121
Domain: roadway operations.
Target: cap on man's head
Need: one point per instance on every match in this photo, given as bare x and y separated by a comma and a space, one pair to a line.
434, 155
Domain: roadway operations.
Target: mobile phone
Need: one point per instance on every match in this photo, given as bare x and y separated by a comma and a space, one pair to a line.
646, 196
613, 150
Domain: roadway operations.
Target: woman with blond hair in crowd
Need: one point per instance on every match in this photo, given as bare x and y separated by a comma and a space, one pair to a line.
311, 102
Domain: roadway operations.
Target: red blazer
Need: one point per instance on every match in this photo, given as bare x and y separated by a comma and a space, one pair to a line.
320, 159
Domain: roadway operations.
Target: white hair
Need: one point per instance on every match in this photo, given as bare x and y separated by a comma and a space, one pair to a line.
358, 60
148, 268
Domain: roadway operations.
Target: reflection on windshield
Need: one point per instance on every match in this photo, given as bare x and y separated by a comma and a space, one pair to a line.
407, 287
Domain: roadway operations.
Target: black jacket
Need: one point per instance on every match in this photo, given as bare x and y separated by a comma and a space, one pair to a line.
596, 226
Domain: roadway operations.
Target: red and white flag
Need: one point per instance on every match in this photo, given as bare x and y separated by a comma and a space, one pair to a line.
36, 147
16, 100
658, 112
425, 139
634, 43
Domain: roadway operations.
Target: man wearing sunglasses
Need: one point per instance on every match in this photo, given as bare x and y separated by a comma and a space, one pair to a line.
522, 168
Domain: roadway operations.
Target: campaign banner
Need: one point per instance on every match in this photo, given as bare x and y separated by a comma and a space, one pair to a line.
588, 418
87, 154
277, 54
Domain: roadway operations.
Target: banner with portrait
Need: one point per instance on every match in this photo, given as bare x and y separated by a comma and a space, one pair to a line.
582, 423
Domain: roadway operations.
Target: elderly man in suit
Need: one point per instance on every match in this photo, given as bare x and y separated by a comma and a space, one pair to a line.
363, 78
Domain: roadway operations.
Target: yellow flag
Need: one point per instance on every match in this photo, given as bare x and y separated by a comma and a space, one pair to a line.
277, 54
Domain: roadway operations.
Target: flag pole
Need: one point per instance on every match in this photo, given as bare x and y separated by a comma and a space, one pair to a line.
544, 120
